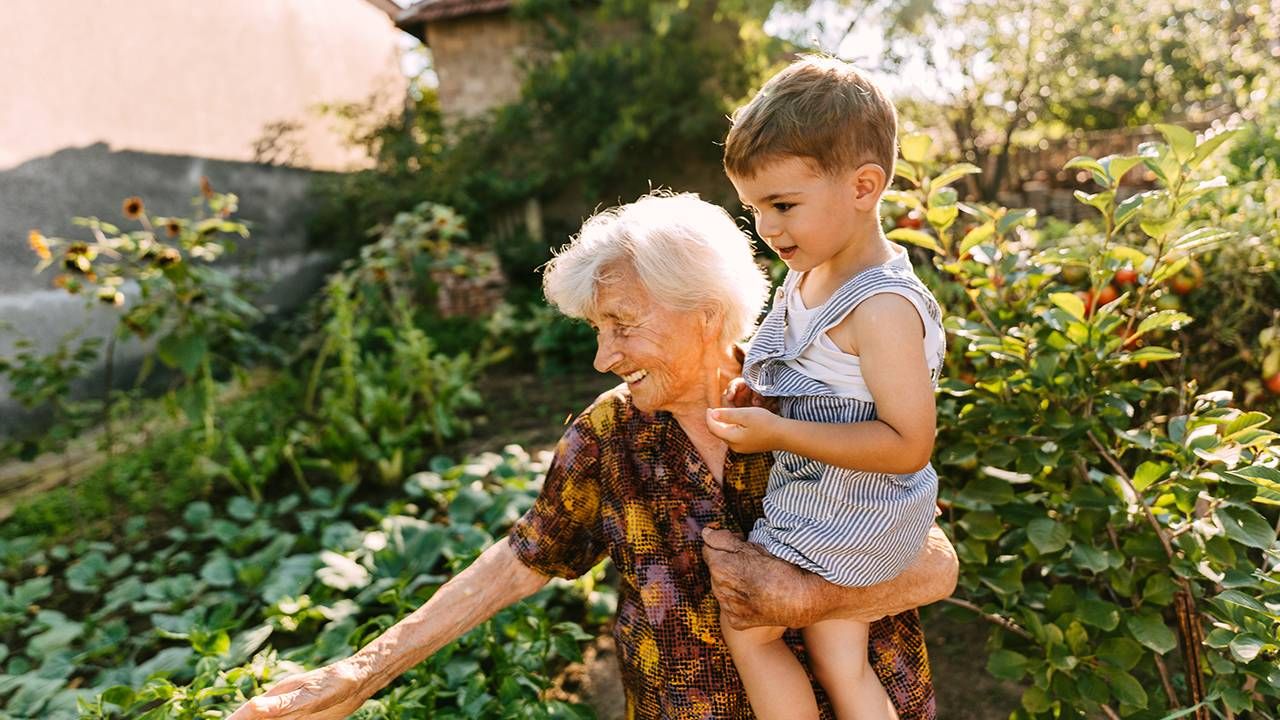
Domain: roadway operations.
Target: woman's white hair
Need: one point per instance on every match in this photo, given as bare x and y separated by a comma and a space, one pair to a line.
688, 253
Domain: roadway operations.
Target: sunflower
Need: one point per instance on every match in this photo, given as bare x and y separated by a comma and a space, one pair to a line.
168, 257
132, 207
38, 245
172, 228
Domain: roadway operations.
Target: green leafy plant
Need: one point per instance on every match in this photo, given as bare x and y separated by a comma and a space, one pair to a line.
1103, 519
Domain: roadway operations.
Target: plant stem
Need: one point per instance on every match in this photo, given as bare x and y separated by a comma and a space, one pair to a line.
1003, 622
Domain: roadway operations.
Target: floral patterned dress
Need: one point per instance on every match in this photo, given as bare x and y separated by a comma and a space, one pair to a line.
630, 486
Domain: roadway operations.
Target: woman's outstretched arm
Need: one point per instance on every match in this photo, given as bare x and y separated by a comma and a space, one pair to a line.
495, 580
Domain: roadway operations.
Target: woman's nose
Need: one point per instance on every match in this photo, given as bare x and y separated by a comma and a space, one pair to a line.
606, 355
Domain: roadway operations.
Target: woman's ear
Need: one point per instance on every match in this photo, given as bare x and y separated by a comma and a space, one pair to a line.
869, 183
712, 324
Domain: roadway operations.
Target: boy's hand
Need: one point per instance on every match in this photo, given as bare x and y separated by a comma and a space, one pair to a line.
745, 430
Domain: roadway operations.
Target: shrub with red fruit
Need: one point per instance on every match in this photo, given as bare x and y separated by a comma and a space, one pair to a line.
1103, 518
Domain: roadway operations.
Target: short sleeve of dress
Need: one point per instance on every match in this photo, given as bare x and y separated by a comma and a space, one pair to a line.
562, 534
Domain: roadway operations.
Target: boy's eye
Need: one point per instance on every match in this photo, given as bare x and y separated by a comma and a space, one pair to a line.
783, 207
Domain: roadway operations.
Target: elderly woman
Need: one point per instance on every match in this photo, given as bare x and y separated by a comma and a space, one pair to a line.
670, 285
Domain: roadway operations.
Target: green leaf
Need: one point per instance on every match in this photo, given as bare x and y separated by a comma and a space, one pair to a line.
982, 525
1102, 201
1265, 479
1206, 148
939, 217
915, 147
1013, 218
1084, 162
197, 513
1130, 255
953, 173
1246, 526
242, 508
1125, 687
976, 236
121, 695
1090, 558
1007, 664
906, 172
915, 237
1235, 597
1070, 303
1150, 630
1246, 647
943, 197
219, 571
903, 198
1128, 208
341, 572
1098, 613
183, 352
1246, 421
1116, 166
1199, 240
1035, 700
246, 643
1120, 652
1153, 353
1148, 473
1181, 140
1164, 319
1047, 535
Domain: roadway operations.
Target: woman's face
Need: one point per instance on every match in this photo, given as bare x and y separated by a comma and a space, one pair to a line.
658, 351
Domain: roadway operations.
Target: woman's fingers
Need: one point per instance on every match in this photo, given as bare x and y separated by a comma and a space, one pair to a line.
315, 694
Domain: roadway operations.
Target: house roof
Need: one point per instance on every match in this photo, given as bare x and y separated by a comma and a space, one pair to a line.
414, 18
387, 6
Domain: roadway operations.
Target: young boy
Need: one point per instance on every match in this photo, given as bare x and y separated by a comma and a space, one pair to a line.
852, 348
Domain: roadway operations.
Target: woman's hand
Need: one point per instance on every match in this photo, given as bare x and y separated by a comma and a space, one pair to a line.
739, 395
332, 692
755, 588
745, 429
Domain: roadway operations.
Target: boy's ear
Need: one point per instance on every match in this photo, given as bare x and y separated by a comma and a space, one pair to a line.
869, 183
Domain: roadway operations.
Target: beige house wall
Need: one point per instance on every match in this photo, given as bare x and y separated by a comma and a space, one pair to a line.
201, 78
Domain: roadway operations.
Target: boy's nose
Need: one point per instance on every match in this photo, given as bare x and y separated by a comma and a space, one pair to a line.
767, 230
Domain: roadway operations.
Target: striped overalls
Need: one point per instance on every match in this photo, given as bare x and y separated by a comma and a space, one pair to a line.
851, 527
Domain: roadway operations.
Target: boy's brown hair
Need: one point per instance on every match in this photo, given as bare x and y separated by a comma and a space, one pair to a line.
818, 108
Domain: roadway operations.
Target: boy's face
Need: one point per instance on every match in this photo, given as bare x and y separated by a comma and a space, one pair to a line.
808, 217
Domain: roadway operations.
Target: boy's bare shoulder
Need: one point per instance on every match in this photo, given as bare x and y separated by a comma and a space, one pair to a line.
879, 317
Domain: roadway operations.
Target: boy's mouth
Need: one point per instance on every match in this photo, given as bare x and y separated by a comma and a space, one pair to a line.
786, 252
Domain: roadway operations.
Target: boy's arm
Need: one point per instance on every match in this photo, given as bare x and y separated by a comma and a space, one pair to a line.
755, 588
886, 333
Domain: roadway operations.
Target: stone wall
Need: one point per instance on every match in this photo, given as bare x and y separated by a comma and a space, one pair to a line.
479, 61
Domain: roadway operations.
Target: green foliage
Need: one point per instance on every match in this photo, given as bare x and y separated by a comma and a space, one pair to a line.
43, 380
1094, 507
1023, 70
194, 312
608, 91
173, 620
377, 387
